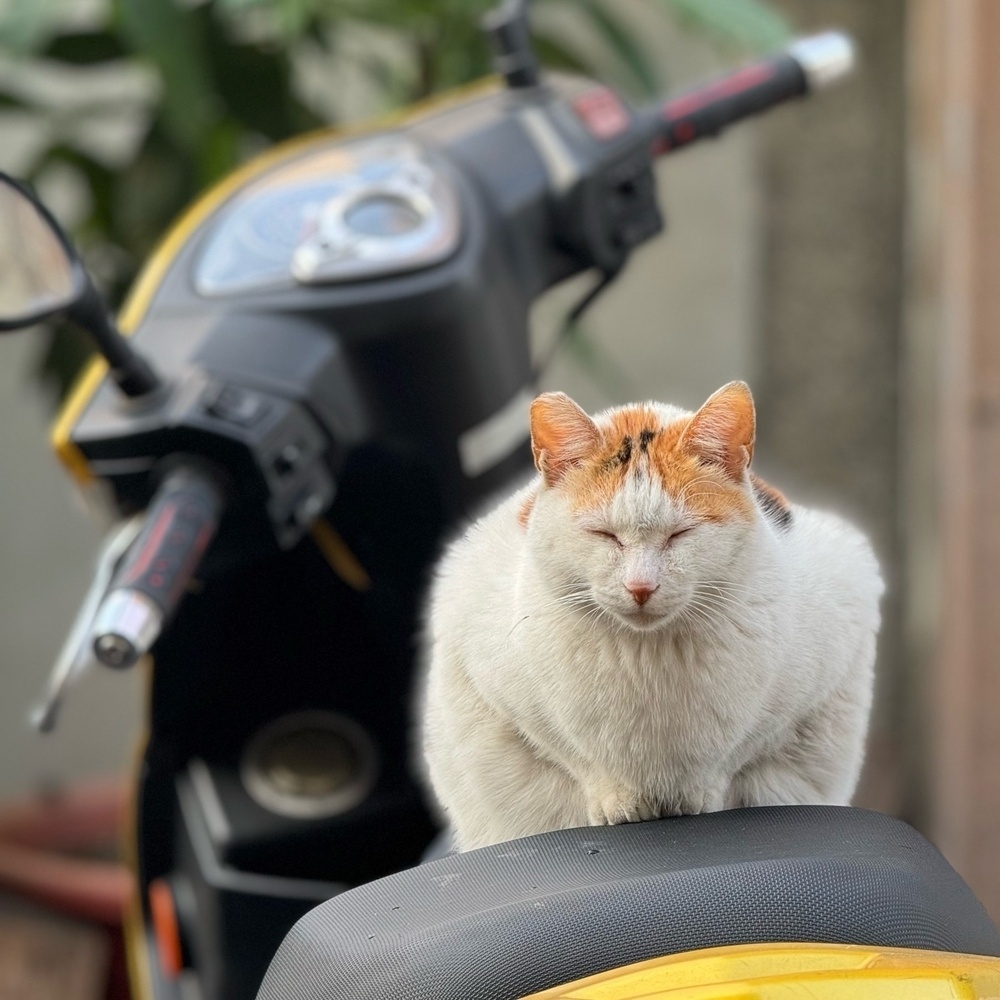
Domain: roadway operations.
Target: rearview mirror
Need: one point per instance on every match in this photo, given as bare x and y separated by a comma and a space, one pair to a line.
40, 274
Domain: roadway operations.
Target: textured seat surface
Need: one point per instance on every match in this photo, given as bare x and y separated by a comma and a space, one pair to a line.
506, 921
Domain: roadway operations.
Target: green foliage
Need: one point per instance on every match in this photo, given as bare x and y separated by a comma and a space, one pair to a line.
222, 81
736, 24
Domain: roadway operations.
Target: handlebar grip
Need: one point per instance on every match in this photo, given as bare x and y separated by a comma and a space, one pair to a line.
805, 65
181, 522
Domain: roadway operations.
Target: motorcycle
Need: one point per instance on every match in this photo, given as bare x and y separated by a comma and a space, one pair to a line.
326, 365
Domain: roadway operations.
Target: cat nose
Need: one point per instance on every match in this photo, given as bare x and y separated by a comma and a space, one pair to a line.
641, 592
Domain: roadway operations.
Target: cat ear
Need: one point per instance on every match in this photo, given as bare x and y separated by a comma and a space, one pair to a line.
562, 435
722, 431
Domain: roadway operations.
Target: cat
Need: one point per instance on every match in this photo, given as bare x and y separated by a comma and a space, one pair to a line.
646, 629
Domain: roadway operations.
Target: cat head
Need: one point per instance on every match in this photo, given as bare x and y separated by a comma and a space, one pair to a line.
643, 505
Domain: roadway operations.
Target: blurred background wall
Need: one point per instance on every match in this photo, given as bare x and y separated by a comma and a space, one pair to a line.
952, 431
832, 254
833, 185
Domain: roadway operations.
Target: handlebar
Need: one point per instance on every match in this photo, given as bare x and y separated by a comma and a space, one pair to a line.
612, 209
806, 65
181, 522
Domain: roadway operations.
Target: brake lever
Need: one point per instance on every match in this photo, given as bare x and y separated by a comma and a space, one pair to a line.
77, 651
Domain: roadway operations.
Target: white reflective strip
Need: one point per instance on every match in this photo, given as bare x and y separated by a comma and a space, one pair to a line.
207, 794
562, 168
482, 446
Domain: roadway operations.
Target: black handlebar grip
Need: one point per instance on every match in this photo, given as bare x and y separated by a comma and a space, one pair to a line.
182, 520
707, 110
807, 64
180, 524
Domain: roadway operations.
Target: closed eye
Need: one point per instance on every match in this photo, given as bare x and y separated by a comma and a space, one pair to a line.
610, 536
678, 534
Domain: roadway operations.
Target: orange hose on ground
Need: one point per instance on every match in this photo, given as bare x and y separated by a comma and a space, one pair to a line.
94, 890
89, 815
86, 815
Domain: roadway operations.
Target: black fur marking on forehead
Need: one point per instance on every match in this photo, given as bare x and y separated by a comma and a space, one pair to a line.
624, 455
645, 437
771, 503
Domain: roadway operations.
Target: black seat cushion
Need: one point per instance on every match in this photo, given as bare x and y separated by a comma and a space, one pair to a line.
506, 921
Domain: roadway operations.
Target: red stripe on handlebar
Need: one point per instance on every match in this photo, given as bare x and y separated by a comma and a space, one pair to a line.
138, 568
744, 79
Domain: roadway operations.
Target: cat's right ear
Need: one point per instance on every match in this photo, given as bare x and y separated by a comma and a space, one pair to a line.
562, 435
723, 430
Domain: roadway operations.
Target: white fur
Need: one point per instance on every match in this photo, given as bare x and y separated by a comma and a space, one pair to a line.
551, 700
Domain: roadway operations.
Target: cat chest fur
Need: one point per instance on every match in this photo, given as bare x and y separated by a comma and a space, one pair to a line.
648, 710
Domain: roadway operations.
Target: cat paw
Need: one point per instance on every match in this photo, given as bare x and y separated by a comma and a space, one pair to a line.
695, 801
618, 805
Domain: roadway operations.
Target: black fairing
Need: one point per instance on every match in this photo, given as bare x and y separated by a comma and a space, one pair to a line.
506, 921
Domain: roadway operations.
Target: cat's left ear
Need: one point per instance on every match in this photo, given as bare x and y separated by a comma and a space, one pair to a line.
562, 435
722, 431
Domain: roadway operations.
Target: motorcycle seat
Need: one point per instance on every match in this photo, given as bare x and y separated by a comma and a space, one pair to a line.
506, 921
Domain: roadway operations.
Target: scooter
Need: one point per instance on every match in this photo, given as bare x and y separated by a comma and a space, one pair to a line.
326, 365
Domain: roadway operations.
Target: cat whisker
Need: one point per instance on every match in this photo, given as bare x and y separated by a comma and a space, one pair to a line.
699, 620
579, 605
578, 600
730, 585
708, 607
594, 616
729, 588
575, 596
739, 616
721, 597
727, 602
713, 613
717, 630
727, 592
582, 595
514, 626
717, 608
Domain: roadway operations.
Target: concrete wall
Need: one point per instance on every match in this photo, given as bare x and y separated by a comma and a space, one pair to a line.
953, 421
834, 178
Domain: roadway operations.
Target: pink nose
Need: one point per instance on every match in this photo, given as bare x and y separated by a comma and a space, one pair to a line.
641, 592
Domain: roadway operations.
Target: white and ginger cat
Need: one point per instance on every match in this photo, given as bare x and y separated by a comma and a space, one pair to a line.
646, 630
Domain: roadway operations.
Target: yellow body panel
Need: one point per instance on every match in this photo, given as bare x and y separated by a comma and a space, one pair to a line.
67, 452
340, 558
785, 971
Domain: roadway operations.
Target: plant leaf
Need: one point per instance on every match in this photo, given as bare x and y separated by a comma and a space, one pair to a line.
85, 48
254, 82
173, 40
555, 55
11, 101
624, 43
26, 24
752, 25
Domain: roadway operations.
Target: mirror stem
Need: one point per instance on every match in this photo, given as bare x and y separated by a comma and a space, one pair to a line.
130, 370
